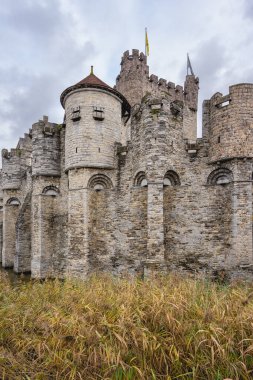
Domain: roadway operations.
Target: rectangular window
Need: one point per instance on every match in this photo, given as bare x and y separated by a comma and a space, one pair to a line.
98, 113
76, 114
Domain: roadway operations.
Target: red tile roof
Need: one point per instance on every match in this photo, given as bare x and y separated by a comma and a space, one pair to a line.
93, 80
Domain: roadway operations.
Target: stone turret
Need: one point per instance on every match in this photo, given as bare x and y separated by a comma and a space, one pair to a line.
228, 122
94, 114
191, 89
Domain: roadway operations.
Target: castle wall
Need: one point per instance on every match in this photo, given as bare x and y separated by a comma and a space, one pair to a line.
198, 227
83, 213
131, 227
90, 142
74, 200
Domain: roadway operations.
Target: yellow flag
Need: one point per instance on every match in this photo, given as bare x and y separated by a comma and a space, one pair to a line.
146, 43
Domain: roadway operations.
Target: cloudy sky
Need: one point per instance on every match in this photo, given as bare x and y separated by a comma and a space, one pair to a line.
47, 45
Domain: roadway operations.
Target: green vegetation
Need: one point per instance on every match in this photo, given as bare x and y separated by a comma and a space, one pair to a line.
104, 328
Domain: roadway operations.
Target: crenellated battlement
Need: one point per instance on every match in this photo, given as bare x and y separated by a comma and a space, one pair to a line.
46, 147
9, 154
11, 169
135, 56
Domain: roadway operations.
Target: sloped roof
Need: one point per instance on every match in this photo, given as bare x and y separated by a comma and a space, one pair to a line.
92, 81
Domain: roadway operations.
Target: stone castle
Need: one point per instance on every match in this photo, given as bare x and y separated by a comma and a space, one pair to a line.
125, 186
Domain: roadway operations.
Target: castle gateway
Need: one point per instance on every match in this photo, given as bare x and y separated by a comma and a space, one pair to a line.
124, 185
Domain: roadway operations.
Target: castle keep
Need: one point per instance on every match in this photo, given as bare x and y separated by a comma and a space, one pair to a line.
125, 186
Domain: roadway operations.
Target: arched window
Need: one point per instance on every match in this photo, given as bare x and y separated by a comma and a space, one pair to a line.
140, 180
171, 178
51, 190
220, 176
100, 182
13, 202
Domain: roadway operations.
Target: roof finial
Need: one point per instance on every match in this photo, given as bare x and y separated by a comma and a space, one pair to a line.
91, 70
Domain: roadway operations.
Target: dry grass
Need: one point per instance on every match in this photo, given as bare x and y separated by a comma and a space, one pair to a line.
166, 328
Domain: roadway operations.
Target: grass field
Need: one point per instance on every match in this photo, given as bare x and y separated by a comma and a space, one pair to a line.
105, 328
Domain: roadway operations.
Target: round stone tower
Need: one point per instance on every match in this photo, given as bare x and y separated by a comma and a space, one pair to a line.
94, 114
231, 123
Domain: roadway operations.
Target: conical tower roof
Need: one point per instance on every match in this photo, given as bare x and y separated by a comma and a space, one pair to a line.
92, 81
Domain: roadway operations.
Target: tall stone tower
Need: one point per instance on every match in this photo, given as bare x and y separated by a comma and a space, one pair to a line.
133, 80
94, 118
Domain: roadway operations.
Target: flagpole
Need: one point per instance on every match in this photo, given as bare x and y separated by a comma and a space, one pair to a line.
146, 41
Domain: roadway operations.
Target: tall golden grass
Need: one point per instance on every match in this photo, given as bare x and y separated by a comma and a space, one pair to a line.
107, 328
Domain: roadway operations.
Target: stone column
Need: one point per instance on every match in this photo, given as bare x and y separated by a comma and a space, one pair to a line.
1, 240
242, 224
22, 260
78, 243
43, 236
10, 215
155, 227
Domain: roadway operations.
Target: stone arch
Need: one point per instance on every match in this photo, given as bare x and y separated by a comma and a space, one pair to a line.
171, 178
13, 201
100, 182
51, 190
101, 222
220, 176
140, 179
